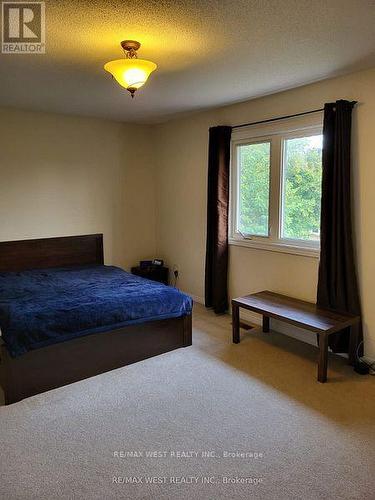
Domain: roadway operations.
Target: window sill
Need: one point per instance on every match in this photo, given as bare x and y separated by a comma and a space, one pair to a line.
277, 247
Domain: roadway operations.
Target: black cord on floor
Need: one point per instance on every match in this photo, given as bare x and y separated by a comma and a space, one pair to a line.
371, 366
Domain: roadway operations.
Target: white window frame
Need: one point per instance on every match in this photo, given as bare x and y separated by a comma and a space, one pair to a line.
276, 133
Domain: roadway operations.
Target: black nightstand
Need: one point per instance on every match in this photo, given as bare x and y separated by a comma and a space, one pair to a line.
155, 273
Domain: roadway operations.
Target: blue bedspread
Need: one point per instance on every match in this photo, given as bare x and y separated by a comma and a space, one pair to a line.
45, 306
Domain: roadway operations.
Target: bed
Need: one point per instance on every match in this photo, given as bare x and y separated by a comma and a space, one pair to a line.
64, 316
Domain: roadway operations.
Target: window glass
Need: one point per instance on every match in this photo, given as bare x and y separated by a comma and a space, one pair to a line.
301, 188
254, 188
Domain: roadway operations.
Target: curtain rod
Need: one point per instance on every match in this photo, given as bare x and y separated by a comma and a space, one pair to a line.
278, 118
284, 117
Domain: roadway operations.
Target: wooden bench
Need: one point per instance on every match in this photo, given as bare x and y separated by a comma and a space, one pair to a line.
299, 313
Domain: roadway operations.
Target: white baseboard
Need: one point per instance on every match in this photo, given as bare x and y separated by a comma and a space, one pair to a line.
370, 351
278, 326
196, 298
290, 331
256, 319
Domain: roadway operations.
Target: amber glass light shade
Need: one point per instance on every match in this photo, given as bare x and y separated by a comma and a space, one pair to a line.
130, 73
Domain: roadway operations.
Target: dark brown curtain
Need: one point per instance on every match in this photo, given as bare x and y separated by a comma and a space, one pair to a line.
337, 285
216, 294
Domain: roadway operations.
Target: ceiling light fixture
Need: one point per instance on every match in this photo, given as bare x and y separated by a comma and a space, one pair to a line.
130, 72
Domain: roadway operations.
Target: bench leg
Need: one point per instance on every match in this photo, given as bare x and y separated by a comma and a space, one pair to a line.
236, 323
323, 358
266, 324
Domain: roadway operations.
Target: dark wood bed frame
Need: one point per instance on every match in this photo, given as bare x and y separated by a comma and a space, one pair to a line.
66, 362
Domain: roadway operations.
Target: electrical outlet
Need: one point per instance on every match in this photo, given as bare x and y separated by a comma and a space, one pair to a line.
175, 271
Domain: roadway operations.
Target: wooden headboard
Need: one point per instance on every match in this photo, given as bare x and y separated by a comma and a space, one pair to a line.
51, 252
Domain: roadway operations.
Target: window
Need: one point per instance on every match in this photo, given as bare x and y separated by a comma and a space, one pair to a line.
301, 194
276, 186
254, 188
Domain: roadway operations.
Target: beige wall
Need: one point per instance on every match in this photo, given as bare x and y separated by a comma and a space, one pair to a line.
181, 195
63, 175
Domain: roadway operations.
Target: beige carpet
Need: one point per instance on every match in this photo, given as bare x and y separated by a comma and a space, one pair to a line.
301, 439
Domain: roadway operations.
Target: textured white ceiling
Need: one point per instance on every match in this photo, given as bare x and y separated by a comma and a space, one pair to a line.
209, 53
